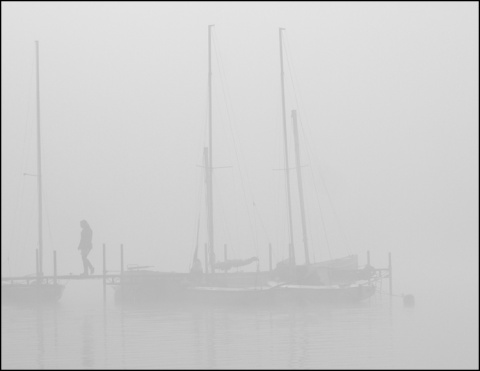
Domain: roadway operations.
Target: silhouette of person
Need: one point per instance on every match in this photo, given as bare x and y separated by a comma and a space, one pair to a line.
85, 246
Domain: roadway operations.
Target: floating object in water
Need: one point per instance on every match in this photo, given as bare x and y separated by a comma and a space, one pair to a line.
409, 300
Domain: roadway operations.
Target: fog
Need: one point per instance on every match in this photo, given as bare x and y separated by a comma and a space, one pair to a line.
387, 98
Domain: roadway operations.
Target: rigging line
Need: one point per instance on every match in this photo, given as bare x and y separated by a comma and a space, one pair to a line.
205, 125
26, 156
48, 221
230, 115
317, 197
26, 148
306, 126
202, 145
281, 217
28, 234
261, 221
21, 179
262, 224
237, 208
224, 86
292, 72
222, 208
14, 227
326, 190
199, 208
281, 222
288, 200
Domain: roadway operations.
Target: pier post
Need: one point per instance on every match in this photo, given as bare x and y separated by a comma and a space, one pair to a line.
104, 275
368, 257
36, 266
270, 256
54, 267
121, 269
390, 272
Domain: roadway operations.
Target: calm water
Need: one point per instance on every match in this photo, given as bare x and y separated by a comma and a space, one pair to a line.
80, 332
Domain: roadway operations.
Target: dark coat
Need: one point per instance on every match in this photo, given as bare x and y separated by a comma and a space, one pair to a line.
86, 238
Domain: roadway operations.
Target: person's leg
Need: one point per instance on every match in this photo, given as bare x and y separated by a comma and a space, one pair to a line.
89, 264
85, 262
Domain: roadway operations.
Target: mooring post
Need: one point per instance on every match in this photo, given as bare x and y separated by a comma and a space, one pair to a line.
104, 274
121, 269
390, 272
54, 267
270, 256
36, 266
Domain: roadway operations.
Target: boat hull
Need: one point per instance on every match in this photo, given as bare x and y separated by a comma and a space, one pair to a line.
323, 294
31, 293
216, 295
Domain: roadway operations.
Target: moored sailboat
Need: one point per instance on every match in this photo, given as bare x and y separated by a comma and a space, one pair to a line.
328, 281
40, 289
332, 281
212, 286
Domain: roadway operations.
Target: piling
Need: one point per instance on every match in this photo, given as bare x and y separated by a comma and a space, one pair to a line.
104, 275
36, 266
390, 272
121, 269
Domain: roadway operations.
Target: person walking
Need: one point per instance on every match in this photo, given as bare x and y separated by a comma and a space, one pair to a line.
85, 246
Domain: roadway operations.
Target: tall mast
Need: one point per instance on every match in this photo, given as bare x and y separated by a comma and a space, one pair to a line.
39, 169
300, 185
210, 154
291, 248
207, 199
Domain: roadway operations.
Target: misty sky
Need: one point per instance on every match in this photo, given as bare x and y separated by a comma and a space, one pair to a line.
387, 95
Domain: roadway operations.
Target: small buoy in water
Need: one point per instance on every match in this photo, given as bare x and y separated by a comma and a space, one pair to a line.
409, 300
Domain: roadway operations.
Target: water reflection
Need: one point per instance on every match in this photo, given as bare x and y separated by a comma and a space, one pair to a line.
163, 336
88, 340
40, 339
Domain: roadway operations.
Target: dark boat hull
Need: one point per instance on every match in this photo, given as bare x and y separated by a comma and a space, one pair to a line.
31, 293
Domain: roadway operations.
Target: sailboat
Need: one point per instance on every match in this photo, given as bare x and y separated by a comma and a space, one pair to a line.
211, 283
213, 286
329, 281
324, 282
37, 288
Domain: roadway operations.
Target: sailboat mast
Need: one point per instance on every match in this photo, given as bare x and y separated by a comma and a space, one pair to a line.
287, 177
300, 185
210, 154
207, 199
39, 168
